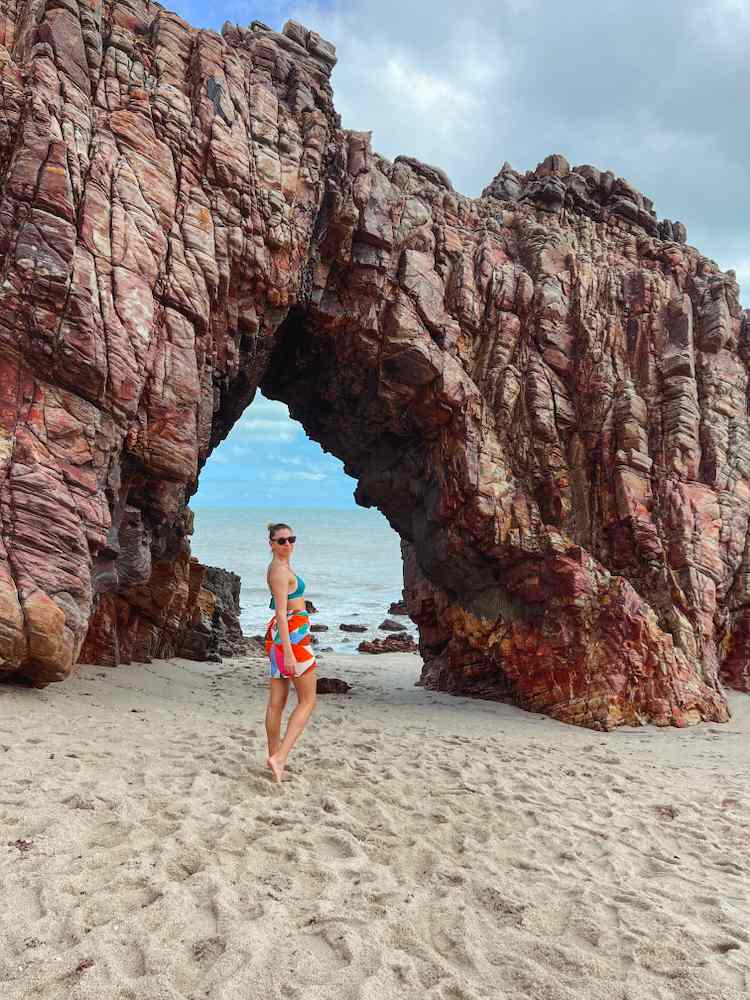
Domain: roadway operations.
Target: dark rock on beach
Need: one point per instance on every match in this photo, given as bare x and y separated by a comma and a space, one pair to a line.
391, 626
225, 585
353, 628
318, 628
225, 621
398, 608
332, 685
392, 644
194, 615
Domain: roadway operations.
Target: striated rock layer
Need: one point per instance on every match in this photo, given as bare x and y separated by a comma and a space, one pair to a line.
544, 389
184, 609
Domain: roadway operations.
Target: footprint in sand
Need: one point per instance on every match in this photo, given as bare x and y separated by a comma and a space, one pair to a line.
336, 848
208, 950
498, 904
452, 991
112, 834
330, 948
183, 866
131, 959
723, 947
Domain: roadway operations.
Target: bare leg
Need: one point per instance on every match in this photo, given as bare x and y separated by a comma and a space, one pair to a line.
278, 690
306, 697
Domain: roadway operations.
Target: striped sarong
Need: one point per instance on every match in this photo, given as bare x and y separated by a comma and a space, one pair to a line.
300, 638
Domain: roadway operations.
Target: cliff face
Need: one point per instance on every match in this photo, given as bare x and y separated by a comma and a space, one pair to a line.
159, 190
544, 389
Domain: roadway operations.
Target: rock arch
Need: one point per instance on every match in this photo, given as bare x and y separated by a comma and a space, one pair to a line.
544, 389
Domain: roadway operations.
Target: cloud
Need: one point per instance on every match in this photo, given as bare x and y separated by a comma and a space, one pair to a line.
742, 269
266, 420
267, 430
282, 476
654, 92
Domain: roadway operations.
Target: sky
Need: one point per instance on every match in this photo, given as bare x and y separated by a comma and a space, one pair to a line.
268, 460
657, 92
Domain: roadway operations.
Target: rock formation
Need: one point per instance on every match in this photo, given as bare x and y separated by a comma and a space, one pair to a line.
402, 643
544, 389
389, 625
332, 685
183, 609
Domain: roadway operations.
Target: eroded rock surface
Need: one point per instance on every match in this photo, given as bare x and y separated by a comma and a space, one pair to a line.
184, 609
391, 644
545, 388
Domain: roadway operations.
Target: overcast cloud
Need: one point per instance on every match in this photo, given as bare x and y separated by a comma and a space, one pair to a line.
655, 90
658, 92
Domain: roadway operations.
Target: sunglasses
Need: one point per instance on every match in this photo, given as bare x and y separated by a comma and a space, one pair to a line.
282, 541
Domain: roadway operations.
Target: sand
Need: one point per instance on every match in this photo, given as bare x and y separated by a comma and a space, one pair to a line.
423, 845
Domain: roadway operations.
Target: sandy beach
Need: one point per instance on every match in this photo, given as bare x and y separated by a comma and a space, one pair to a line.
421, 846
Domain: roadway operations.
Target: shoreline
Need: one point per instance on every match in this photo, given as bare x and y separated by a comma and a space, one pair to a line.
423, 844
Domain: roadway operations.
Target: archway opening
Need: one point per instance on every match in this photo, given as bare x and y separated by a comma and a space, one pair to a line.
268, 470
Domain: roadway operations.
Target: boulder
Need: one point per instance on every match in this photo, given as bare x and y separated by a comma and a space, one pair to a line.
332, 685
183, 609
392, 644
391, 626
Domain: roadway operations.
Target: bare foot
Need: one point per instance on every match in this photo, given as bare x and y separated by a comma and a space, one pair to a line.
277, 766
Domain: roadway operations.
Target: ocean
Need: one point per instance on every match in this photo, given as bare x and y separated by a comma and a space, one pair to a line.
350, 561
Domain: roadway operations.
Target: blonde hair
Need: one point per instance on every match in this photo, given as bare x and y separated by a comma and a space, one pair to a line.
273, 528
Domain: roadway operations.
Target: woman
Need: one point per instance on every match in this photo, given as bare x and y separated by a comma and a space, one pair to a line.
289, 649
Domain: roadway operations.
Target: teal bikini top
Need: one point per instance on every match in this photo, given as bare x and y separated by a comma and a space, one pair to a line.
295, 593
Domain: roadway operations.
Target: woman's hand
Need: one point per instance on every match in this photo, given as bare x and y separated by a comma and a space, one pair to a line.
290, 664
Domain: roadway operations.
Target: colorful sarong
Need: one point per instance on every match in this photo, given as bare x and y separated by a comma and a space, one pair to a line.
300, 639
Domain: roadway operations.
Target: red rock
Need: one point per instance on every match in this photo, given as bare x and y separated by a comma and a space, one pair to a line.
391, 644
198, 620
544, 388
332, 685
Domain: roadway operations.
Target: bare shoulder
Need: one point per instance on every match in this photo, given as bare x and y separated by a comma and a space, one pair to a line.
276, 572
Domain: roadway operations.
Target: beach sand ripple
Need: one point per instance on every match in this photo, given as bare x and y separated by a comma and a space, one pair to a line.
420, 846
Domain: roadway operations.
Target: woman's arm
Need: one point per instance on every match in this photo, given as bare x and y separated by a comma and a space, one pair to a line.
278, 580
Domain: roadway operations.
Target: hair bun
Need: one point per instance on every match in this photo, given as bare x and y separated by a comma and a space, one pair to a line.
273, 528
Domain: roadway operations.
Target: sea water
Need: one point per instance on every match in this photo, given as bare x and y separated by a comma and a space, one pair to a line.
350, 561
